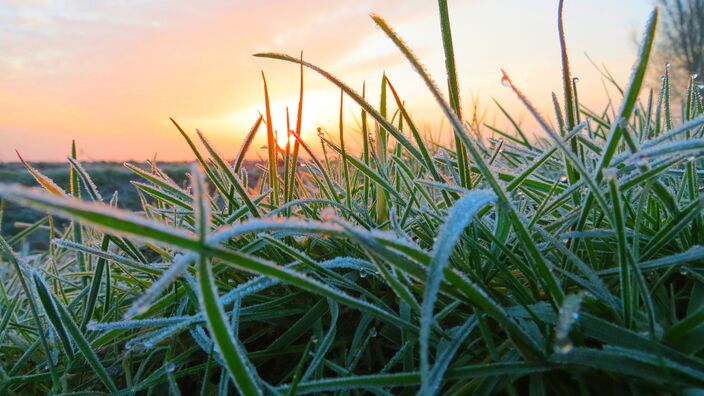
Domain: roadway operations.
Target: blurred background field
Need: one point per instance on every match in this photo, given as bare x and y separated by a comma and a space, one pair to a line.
110, 177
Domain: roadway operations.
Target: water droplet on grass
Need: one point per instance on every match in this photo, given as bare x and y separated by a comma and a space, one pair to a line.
566, 348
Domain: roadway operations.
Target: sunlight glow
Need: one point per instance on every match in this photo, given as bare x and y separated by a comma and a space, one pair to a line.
109, 74
281, 140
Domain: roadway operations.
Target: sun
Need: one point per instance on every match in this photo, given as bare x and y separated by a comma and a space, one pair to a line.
281, 140
314, 99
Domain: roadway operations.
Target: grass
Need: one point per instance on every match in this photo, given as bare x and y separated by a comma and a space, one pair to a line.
567, 264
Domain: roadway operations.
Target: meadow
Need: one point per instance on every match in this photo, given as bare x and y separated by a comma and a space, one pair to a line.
566, 264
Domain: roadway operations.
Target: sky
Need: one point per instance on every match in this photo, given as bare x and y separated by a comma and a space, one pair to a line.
109, 74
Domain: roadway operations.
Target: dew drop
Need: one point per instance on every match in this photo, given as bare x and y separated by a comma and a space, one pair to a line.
372, 332
170, 367
505, 81
314, 339
566, 348
575, 80
362, 274
563, 179
575, 315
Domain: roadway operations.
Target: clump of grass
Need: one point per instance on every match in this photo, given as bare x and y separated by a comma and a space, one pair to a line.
569, 264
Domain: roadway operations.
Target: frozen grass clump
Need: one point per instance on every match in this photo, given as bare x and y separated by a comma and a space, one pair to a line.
569, 264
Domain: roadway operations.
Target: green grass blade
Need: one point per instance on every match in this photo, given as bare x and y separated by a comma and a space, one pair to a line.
78, 338
52, 314
458, 219
235, 360
239, 159
271, 149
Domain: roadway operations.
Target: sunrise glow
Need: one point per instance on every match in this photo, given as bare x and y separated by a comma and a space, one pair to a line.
111, 75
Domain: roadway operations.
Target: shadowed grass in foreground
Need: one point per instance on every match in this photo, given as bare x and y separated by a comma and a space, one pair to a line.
570, 264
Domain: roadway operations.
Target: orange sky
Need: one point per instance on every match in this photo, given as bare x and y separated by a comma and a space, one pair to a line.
109, 74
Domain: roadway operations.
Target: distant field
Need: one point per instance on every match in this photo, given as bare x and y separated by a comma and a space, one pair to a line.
110, 177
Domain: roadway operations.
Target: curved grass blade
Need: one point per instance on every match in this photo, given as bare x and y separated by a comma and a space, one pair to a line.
18, 264
52, 314
458, 219
120, 221
44, 181
245, 144
235, 360
79, 339
86, 179
454, 89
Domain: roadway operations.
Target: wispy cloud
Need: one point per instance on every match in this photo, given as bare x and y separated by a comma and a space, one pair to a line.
110, 72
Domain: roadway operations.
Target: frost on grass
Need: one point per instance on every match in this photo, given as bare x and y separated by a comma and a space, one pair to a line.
175, 270
491, 299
